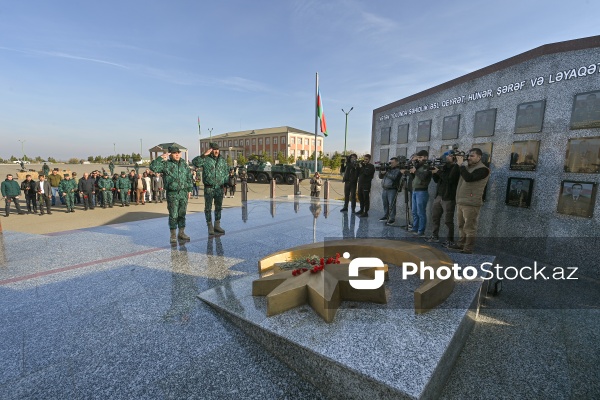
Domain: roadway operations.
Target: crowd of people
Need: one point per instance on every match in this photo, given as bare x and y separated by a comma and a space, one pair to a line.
94, 189
460, 190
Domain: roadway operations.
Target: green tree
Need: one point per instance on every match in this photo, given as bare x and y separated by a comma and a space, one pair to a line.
13, 158
73, 161
229, 160
90, 158
39, 159
336, 161
241, 160
51, 160
136, 157
291, 159
98, 160
326, 161
281, 158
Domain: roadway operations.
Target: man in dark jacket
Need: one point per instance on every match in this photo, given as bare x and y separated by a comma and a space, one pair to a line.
157, 187
390, 186
420, 196
366, 171
445, 197
44, 193
178, 184
87, 188
28, 188
350, 181
11, 192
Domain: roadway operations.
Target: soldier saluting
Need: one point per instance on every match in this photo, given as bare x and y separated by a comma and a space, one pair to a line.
177, 178
215, 174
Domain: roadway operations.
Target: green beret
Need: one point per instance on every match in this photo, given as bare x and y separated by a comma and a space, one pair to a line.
214, 146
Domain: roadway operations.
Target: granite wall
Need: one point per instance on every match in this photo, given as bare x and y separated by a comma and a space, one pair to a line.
553, 74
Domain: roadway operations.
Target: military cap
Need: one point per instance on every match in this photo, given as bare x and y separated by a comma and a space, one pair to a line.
214, 146
174, 149
122, 172
55, 169
65, 175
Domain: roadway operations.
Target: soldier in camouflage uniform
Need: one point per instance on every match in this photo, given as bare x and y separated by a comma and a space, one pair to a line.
124, 188
67, 187
106, 185
111, 167
177, 179
215, 174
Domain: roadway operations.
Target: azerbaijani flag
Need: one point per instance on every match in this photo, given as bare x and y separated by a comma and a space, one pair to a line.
321, 113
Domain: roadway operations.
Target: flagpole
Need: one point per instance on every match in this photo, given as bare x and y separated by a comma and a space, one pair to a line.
316, 117
199, 137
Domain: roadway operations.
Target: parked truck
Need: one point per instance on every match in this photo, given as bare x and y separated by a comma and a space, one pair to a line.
262, 172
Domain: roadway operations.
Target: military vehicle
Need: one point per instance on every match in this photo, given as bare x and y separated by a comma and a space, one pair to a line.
262, 172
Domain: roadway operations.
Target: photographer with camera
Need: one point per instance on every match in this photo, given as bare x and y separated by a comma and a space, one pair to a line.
366, 172
390, 182
350, 181
469, 199
420, 195
446, 178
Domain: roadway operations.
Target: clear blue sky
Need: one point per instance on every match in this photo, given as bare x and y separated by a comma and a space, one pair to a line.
77, 76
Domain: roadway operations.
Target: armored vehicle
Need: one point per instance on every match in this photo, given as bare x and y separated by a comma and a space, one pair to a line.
263, 172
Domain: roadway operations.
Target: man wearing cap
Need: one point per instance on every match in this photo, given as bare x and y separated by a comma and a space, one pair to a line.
54, 178
445, 197
177, 178
215, 174
111, 167
105, 184
67, 187
124, 188
46, 169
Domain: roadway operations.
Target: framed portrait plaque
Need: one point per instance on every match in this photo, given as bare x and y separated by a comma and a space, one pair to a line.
524, 155
519, 191
586, 110
450, 127
486, 148
424, 131
530, 117
577, 198
384, 155
485, 123
583, 155
385, 135
402, 134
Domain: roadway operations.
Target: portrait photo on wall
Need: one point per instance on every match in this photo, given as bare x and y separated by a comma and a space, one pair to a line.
384, 155
583, 155
577, 198
524, 155
485, 123
385, 135
586, 110
486, 148
530, 117
450, 127
519, 191
402, 134
424, 131
419, 148
401, 151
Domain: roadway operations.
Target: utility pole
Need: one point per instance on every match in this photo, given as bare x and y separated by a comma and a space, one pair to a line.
346, 131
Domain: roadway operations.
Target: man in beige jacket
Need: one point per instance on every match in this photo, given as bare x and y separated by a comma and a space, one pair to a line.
469, 199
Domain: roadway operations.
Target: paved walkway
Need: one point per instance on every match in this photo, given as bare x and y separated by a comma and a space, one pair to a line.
111, 312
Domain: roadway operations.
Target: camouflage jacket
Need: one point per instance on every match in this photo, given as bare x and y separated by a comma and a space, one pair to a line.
67, 186
105, 183
215, 171
123, 183
177, 176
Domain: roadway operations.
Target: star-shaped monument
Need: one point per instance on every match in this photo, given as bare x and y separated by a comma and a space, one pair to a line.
324, 290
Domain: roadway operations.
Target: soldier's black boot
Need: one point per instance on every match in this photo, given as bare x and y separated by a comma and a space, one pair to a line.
182, 235
173, 236
218, 228
211, 230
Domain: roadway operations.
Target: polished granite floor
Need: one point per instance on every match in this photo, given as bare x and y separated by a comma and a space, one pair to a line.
112, 312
